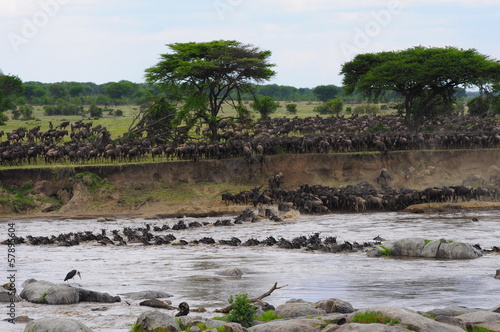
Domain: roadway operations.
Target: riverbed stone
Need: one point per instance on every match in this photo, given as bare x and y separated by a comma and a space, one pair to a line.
486, 319
155, 303
192, 321
8, 296
450, 311
356, 327
231, 272
56, 325
49, 293
298, 309
292, 325
86, 295
457, 250
410, 318
150, 320
334, 305
408, 247
146, 295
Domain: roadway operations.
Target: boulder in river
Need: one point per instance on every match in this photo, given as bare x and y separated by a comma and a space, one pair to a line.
86, 295
155, 303
8, 295
419, 247
56, 325
50, 293
231, 272
146, 295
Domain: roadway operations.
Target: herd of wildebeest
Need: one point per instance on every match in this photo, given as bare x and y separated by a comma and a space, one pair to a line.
364, 196
81, 142
155, 235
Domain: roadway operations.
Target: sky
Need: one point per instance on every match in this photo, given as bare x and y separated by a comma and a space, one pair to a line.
104, 41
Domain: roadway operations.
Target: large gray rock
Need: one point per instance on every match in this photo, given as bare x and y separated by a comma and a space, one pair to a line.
411, 247
451, 311
86, 295
56, 325
298, 309
410, 319
150, 320
50, 293
356, 327
457, 250
334, 305
292, 325
192, 321
47, 292
418, 247
486, 319
146, 295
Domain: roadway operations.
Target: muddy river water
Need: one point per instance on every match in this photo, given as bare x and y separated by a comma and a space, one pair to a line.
190, 272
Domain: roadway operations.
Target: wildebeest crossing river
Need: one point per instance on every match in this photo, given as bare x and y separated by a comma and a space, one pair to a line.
191, 272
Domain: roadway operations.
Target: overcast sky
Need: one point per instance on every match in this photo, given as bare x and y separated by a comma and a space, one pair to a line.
111, 40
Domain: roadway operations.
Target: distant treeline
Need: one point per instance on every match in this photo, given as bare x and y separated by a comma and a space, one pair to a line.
129, 93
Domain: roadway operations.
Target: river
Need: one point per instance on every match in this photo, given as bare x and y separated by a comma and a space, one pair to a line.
190, 272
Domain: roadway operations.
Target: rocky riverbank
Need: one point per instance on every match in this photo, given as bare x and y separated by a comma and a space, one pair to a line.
322, 316
188, 188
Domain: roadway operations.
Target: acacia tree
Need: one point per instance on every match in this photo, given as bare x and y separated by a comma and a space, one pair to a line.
426, 78
326, 92
202, 77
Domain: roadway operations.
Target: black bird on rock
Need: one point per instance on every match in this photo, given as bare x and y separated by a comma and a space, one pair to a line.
71, 274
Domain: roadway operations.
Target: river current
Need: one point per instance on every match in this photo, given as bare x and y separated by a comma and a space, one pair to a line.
191, 272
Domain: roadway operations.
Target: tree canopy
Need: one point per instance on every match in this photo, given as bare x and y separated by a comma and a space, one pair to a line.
11, 87
426, 78
327, 92
201, 77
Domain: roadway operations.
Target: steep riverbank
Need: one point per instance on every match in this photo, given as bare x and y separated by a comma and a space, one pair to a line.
194, 188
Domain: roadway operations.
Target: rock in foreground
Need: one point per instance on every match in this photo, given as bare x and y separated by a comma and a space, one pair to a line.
56, 325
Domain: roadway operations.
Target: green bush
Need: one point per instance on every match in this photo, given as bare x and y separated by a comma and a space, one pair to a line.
242, 311
366, 109
92, 181
332, 107
18, 199
291, 108
268, 316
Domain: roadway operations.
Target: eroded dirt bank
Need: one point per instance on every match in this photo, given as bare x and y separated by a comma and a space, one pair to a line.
204, 180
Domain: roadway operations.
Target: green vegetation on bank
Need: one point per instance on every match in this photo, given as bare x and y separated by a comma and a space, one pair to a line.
374, 317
